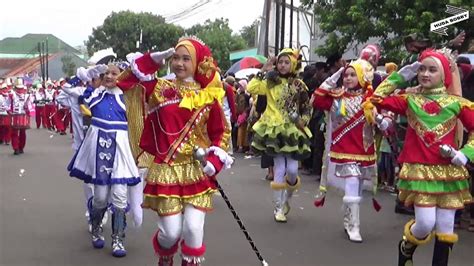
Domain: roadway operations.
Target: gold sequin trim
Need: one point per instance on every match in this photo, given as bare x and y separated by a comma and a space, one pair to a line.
135, 102
433, 172
441, 130
443, 102
175, 174
356, 157
446, 201
385, 89
169, 206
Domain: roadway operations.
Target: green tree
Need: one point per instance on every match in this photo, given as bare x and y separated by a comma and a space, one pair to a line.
349, 22
219, 37
121, 31
68, 67
248, 33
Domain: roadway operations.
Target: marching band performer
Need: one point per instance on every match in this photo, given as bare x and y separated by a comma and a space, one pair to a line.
105, 160
351, 137
39, 101
21, 107
69, 96
5, 117
50, 107
183, 114
281, 131
433, 176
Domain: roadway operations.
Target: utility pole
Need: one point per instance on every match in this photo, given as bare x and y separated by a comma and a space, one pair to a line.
277, 29
41, 62
47, 58
291, 24
282, 26
44, 61
268, 5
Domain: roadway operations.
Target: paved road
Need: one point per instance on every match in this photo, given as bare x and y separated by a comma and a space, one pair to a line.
42, 220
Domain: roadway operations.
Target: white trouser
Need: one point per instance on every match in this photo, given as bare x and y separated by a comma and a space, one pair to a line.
427, 218
189, 225
88, 193
352, 186
117, 194
284, 165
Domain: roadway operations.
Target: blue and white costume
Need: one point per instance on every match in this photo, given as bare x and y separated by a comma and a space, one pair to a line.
105, 157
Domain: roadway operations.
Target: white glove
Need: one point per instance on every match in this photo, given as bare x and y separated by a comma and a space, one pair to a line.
331, 82
95, 71
132, 56
410, 71
459, 159
209, 169
159, 57
382, 123
81, 73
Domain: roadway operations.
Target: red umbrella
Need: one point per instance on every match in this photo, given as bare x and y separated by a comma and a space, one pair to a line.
247, 62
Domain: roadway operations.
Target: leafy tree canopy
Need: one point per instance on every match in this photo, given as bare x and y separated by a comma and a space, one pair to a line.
121, 31
348, 22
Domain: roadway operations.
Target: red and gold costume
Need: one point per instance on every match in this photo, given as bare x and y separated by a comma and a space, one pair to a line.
435, 185
181, 115
352, 148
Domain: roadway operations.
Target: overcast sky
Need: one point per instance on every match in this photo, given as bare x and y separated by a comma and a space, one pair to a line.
72, 21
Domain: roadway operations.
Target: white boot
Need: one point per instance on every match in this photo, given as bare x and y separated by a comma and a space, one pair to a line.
279, 201
347, 214
353, 227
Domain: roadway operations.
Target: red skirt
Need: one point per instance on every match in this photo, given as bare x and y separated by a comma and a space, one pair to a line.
5, 120
21, 121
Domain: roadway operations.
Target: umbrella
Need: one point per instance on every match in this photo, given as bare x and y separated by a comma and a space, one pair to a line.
244, 73
247, 62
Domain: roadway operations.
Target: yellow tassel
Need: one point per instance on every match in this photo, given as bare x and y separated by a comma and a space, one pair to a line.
85, 111
343, 108
368, 111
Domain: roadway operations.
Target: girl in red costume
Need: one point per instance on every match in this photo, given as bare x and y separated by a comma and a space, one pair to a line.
352, 148
433, 177
183, 114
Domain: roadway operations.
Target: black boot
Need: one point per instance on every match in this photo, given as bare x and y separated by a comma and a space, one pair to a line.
402, 209
441, 253
405, 253
96, 216
118, 232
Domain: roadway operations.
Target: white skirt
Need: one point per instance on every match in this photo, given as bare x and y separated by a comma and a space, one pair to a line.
105, 158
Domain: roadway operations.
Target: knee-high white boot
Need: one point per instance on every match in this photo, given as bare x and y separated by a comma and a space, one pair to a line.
353, 225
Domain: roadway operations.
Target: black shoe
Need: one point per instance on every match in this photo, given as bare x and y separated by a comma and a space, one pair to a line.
441, 253
62, 133
21, 151
16, 152
1, 141
405, 253
402, 209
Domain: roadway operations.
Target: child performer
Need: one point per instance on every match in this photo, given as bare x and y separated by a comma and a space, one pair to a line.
183, 114
433, 177
281, 131
105, 160
351, 148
